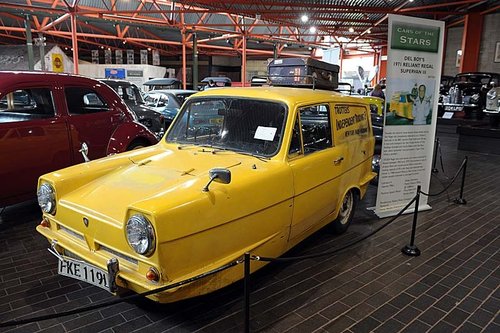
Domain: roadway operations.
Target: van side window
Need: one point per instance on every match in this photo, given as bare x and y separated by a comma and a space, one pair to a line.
316, 128
295, 144
26, 104
84, 101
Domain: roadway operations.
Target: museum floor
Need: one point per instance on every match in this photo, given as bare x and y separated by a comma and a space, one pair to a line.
452, 287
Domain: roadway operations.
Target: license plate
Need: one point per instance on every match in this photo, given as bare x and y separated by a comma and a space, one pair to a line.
454, 108
82, 271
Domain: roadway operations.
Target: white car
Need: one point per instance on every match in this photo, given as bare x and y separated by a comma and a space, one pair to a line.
493, 106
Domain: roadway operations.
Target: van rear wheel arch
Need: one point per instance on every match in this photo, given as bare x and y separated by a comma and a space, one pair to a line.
347, 207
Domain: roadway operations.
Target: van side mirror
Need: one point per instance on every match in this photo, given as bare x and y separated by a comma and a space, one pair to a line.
219, 175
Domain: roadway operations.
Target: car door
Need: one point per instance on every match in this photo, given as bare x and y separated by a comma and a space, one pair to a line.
92, 120
316, 166
33, 140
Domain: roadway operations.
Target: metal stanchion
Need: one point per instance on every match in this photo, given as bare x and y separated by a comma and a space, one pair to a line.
411, 249
436, 146
246, 292
460, 200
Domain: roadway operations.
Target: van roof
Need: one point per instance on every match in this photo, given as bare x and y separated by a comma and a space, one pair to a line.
287, 95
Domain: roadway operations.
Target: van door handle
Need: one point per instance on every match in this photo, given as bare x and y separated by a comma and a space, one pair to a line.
338, 160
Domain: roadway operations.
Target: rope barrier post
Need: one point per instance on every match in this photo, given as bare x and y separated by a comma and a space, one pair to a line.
460, 200
246, 292
411, 249
436, 145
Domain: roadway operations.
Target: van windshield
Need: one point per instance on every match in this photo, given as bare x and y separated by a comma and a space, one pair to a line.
237, 124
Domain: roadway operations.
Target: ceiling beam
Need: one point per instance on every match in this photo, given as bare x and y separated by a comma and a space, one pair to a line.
439, 5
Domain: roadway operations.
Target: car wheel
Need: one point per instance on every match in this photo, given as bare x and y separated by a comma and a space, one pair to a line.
494, 121
346, 212
137, 144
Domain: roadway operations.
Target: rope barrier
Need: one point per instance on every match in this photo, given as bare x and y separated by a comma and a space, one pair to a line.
247, 258
120, 300
462, 166
354, 242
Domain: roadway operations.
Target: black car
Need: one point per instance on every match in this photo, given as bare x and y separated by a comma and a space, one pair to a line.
167, 102
446, 82
467, 93
214, 82
132, 96
163, 83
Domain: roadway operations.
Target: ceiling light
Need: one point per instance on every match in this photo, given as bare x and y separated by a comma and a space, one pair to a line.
285, 45
149, 49
369, 31
312, 30
304, 18
351, 29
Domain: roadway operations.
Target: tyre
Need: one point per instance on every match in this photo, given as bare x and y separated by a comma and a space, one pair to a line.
494, 121
346, 212
137, 144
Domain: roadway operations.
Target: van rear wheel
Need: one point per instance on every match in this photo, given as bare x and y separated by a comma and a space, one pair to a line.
346, 212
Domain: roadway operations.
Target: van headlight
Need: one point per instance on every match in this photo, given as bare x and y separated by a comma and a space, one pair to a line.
47, 198
140, 234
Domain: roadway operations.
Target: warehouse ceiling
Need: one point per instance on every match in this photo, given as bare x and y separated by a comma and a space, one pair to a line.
291, 26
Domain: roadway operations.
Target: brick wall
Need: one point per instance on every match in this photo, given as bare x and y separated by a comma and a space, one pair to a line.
489, 38
491, 35
453, 43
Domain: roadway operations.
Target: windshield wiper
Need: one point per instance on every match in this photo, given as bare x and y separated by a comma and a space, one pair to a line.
260, 158
214, 150
182, 146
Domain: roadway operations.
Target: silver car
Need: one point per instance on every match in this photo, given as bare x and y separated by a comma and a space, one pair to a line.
493, 106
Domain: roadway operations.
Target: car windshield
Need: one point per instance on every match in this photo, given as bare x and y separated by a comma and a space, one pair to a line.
182, 97
156, 100
238, 124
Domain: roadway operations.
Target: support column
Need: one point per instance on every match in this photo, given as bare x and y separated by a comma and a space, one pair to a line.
341, 58
184, 76
275, 51
74, 42
195, 62
445, 39
42, 51
244, 61
383, 63
376, 62
29, 43
471, 42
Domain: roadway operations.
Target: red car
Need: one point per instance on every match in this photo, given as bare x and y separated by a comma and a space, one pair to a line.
45, 121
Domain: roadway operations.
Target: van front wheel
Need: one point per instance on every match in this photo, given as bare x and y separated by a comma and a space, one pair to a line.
346, 212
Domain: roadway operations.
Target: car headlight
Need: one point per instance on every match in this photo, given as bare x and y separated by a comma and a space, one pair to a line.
47, 198
492, 94
140, 234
